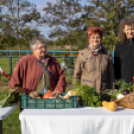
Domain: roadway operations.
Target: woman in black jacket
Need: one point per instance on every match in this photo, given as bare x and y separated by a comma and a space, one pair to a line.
124, 51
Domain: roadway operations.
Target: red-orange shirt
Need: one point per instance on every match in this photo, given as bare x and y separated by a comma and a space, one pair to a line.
28, 72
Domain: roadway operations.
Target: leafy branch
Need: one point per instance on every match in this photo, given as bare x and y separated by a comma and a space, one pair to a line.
13, 96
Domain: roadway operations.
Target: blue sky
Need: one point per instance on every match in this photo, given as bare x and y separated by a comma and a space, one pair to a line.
42, 3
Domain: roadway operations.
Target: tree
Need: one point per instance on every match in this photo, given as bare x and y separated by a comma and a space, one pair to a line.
20, 13
63, 18
28, 33
7, 41
108, 15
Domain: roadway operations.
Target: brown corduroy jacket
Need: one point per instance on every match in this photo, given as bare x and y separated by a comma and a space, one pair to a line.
28, 72
95, 68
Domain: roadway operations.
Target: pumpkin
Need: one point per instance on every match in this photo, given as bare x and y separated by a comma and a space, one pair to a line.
47, 95
110, 105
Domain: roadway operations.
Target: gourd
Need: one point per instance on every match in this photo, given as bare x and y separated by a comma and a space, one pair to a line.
110, 105
47, 95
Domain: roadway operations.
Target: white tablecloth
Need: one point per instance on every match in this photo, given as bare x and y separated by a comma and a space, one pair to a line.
84, 120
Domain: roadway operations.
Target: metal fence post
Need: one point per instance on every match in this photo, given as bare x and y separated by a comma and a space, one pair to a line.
53, 54
72, 54
11, 62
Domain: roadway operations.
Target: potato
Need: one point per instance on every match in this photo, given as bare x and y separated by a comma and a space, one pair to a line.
34, 94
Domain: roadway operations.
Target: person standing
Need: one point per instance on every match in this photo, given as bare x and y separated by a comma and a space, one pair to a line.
94, 64
124, 51
38, 71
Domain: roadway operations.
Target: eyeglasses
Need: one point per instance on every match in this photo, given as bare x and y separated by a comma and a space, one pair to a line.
41, 48
92, 38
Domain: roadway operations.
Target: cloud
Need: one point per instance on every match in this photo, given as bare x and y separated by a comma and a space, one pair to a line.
42, 2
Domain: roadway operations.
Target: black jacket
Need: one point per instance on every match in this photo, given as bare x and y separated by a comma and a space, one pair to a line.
124, 61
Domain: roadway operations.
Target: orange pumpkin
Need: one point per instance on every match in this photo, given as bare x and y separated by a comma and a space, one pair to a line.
47, 95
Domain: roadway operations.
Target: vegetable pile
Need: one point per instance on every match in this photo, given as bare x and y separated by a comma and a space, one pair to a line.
13, 96
88, 95
121, 91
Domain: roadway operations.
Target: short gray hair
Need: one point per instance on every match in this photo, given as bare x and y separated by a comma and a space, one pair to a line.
36, 40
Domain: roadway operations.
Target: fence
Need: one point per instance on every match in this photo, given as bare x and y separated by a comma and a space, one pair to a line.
11, 56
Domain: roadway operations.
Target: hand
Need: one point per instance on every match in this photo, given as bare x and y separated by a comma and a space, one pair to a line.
56, 93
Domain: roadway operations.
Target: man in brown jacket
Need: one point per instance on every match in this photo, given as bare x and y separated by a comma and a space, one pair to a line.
94, 64
38, 71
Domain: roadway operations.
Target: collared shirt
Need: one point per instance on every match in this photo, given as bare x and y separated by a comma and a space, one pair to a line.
95, 50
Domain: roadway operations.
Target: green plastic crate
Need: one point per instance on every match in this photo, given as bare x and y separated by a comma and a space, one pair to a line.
33, 103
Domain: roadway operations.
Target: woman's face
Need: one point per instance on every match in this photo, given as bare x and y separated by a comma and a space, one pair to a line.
129, 31
40, 51
95, 40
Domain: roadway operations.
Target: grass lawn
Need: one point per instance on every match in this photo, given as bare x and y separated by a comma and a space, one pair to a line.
11, 125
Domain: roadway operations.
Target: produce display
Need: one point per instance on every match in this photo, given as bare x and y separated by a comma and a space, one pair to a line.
88, 95
122, 96
49, 100
122, 90
49, 95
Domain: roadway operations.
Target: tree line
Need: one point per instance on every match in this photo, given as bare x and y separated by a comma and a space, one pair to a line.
68, 19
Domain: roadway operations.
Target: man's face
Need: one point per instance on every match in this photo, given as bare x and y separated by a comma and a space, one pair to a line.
40, 51
129, 31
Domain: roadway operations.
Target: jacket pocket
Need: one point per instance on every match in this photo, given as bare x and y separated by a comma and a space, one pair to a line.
84, 80
87, 82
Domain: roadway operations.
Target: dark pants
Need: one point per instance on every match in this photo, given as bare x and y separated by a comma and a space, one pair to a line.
105, 97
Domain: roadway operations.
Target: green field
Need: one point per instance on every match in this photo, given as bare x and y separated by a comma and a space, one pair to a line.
11, 125
5, 62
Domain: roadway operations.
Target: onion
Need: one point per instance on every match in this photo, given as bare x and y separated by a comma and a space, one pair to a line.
125, 92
